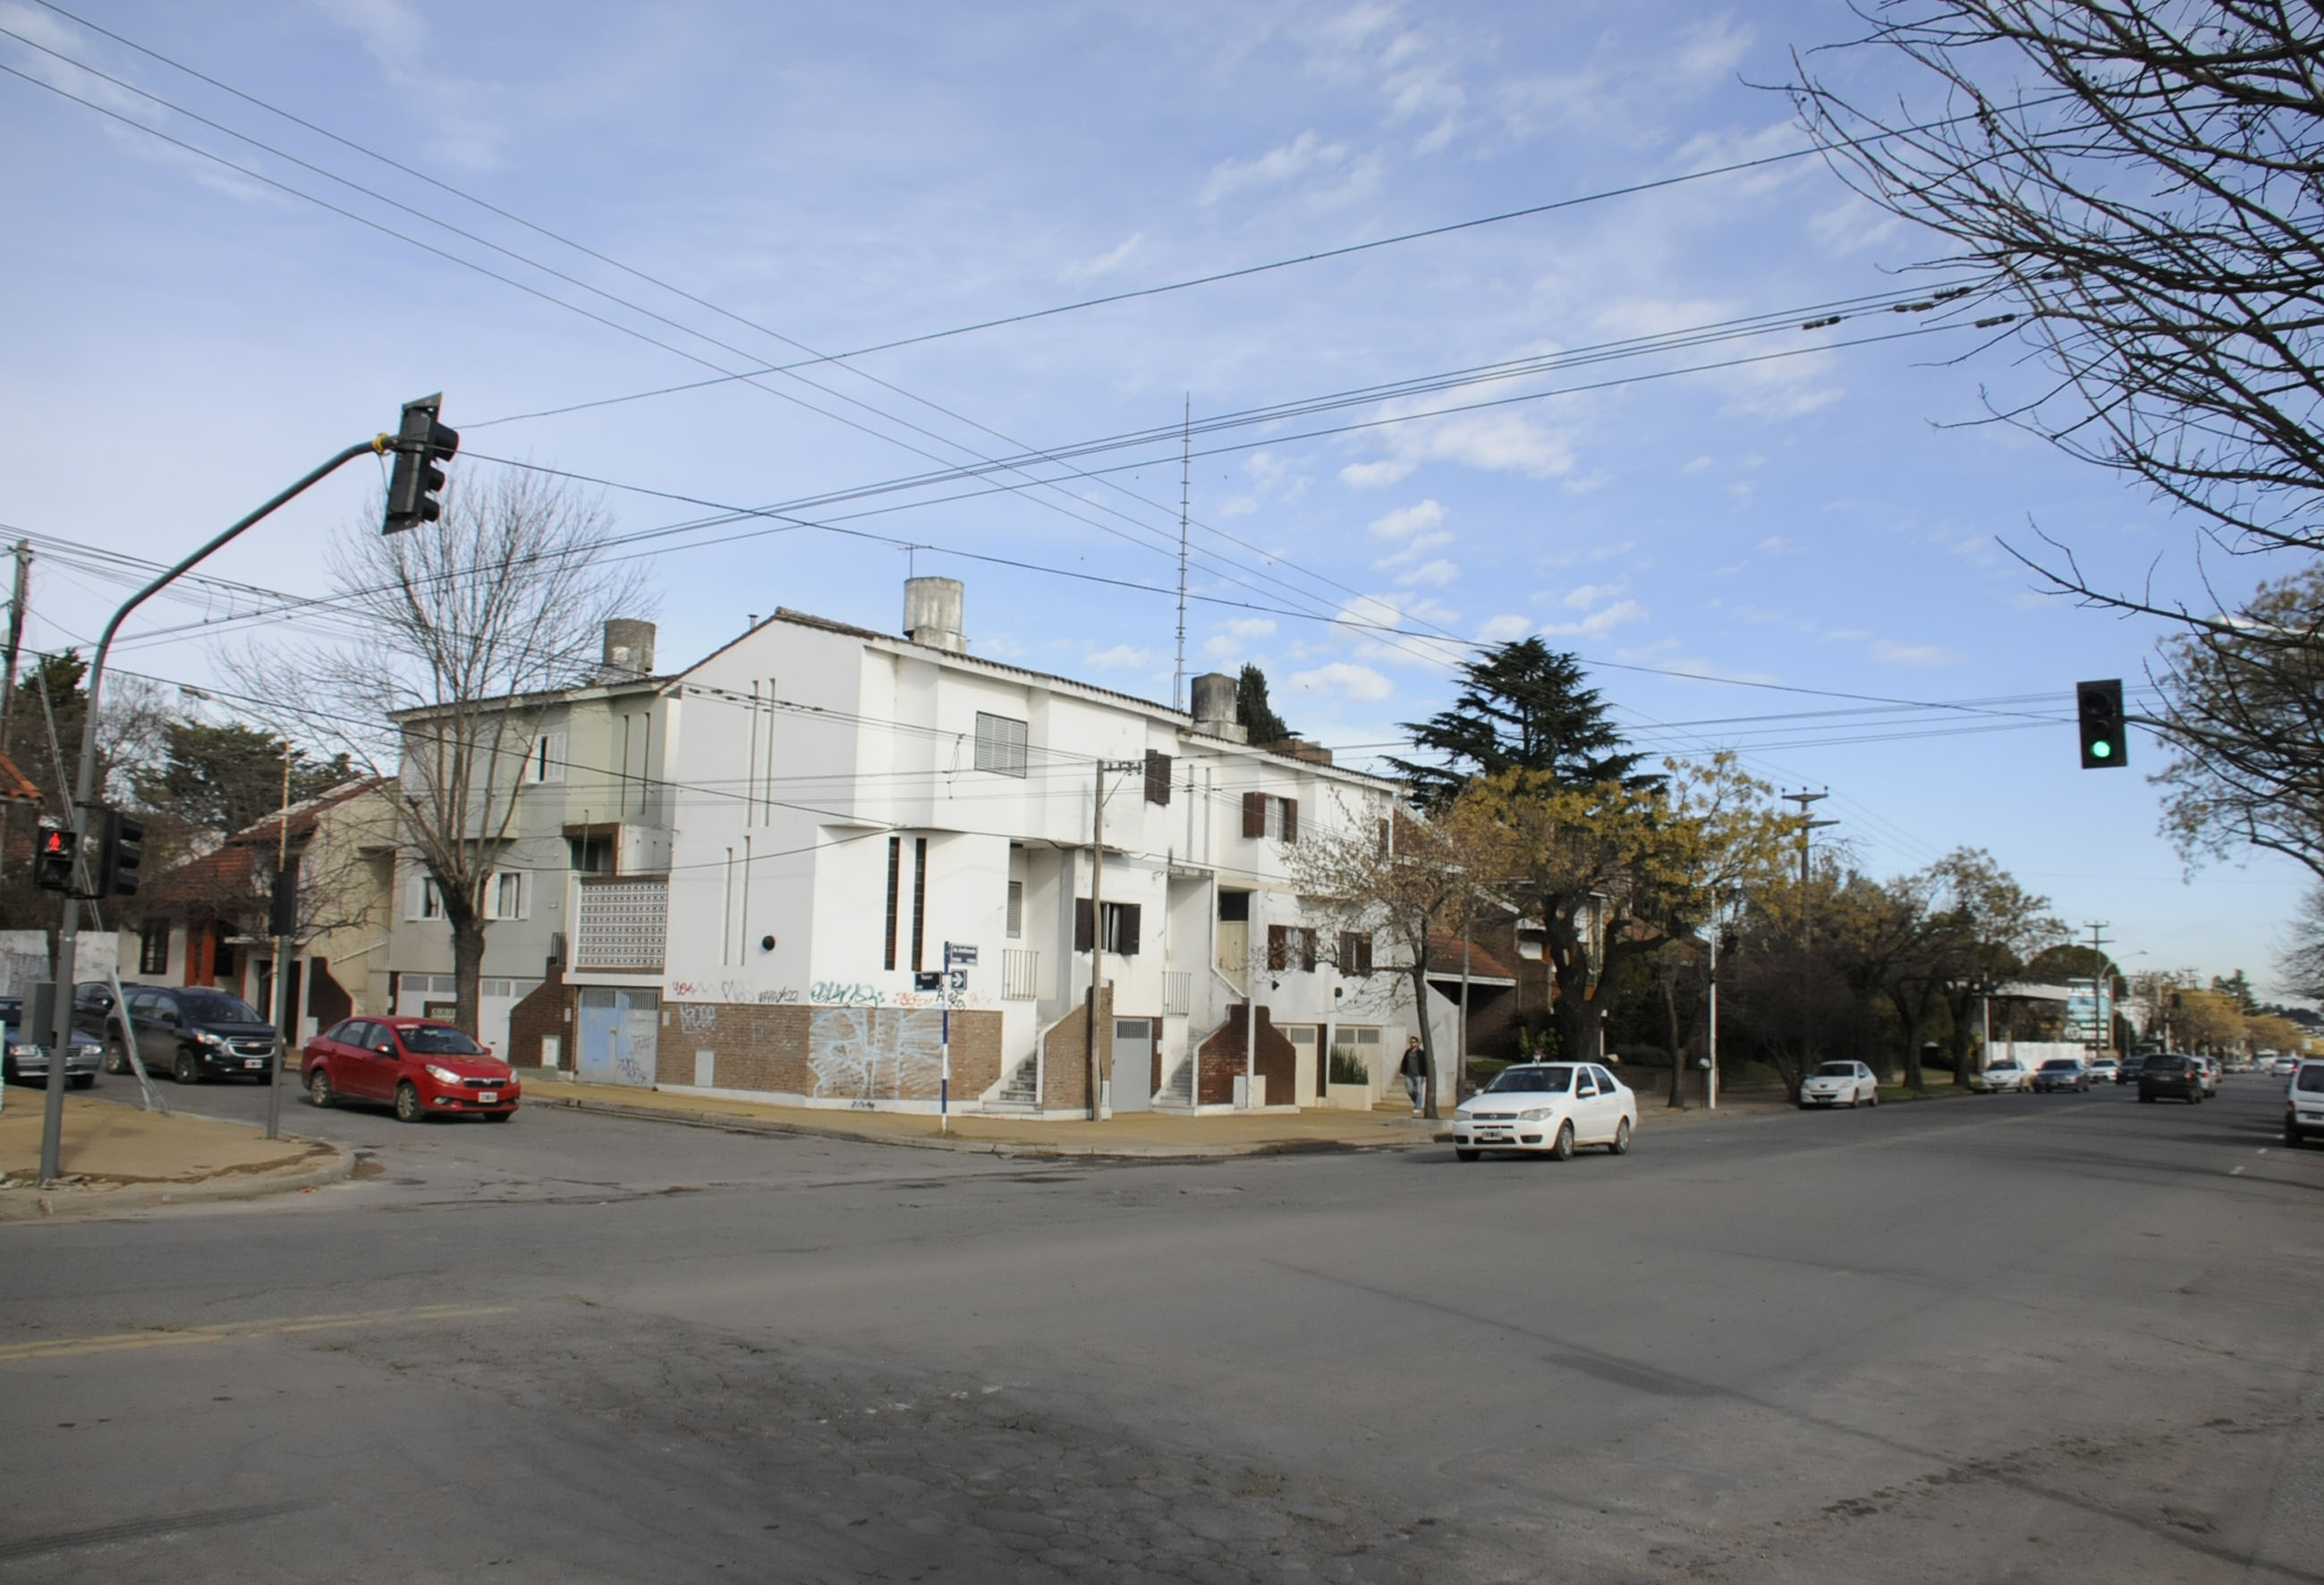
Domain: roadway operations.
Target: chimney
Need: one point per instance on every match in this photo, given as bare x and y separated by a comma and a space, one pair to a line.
1214, 707
629, 650
932, 614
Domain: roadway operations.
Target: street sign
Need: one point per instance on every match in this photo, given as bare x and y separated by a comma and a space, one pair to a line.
959, 956
957, 980
926, 979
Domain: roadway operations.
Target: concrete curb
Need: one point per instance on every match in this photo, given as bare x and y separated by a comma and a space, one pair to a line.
1012, 1149
80, 1202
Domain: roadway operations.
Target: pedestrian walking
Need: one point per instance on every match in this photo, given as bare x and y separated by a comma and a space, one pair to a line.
1414, 1069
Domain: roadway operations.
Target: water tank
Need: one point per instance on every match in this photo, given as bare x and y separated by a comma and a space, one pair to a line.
1214, 706
932, 614
629, 647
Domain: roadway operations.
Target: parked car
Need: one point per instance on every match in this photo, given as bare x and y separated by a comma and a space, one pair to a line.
2303, 1104
2283, 1067
1547, 1107
2127, 1071
2004, 1073
2210, 1066
1836, 1083
422, 1068
190, 1032
2103, 1070
2062, 1072
24, 1053
2174, 1075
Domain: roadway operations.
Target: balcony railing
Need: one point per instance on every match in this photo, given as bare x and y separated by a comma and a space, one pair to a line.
1020, 974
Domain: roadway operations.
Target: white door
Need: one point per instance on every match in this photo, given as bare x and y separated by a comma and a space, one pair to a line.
1133, 1064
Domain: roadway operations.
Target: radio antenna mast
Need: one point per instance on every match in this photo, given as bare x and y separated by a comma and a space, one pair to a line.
1185, 482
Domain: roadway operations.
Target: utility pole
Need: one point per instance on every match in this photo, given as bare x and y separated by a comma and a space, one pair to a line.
16, 648
1806, 826
1097, 920
84, 794
2101, 1020
285, 907
1710, 996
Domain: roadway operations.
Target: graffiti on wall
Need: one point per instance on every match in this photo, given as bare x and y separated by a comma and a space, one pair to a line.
865, 1053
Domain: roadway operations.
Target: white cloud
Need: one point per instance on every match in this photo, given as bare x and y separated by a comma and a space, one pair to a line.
1252, 627
396, 36
1345, 679
1278, 165
1599, 622
1375, 475
1104, 264
1418, 546
1898, 654
1711, 48
1500, 630
1406, 520
1121, 658
1851, 226
1590, 595
1493, 442
1435, 574
1776, 545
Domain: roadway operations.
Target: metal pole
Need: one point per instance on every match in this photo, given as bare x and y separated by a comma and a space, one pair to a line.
1710, 1077
8, 684
85, 785
284, 916
1461, 1057
1097, 932
944, 1083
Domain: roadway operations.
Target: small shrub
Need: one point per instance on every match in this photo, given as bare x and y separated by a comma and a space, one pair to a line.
1345, 1067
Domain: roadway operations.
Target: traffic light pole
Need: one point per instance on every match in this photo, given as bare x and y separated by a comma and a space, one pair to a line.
84, 792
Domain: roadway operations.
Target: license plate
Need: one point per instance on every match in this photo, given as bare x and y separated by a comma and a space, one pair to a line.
255, 1062
488, 1096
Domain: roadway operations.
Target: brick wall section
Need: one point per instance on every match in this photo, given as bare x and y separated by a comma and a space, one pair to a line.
1065, 1055
1221, 1061
546, 1009
846, 1054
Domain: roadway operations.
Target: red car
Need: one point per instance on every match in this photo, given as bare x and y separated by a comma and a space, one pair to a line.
425, 1068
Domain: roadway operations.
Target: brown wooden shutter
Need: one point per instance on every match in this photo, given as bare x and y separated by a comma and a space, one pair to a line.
1254, 814
1278, 946
1158, 778
1290, 820
1307, 948
1084, 925
1127, 930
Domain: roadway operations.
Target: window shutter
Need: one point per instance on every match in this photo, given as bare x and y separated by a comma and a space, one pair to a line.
1307, 949
1254, 814
1127, 929
1158, 778
549, 757
415, 897
1291, 824
1084, 925
1278, 946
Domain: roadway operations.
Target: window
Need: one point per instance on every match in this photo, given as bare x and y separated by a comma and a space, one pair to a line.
1234, 907
895, 877
507, 896
1266, 815
1000, 744
547, 760
1291, 946
1355, 952
590, 854
1123, 922
920, 900
1158, 778
421, 900
1016, 910
153, 949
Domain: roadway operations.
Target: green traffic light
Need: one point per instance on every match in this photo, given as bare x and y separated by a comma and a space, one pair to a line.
2102, 750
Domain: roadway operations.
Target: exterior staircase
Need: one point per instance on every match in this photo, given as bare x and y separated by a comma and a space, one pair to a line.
1020, 1092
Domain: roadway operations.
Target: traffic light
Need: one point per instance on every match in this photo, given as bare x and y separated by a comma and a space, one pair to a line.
419, 445
120, 850
2099, 705
53, 850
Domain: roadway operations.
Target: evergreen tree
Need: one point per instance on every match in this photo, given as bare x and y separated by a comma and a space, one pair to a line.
219, 779
1257, 716
1522, 706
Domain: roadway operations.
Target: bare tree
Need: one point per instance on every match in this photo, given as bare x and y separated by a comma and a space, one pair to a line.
2140, 183
1402, 885
462, 631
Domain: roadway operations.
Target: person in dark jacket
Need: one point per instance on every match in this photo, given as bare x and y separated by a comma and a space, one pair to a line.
1414, 1069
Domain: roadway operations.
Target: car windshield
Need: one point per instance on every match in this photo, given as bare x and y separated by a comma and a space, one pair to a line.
219, 1009
1556, 1080
1836, 1070
439, 1041
2164, 1064
2058, 1064
2311, 1077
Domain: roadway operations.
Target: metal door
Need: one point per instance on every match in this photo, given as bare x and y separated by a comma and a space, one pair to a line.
1133, 1064
619, 1033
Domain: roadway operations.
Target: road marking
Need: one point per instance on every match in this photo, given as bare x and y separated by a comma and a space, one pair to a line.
63, 1347
2236, 1173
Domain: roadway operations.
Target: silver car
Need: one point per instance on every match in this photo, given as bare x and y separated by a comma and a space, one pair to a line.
28, 1059
1840, 1084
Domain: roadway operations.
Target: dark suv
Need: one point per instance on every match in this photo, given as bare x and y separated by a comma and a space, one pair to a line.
190, 1032
2172, 1074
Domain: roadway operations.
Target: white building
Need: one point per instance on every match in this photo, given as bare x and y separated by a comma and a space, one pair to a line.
783, 841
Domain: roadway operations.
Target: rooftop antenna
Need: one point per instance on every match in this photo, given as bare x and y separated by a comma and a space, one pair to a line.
1186, 485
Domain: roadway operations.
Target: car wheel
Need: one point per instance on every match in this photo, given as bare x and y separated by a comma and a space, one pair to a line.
185, 1070
407, 1108
116, 1056
1561, 1147
1620, 1145
2144, 1096
319, 1089
2290, 1137
1876, 1097
1467, 1154
1803, 1106
82, 1081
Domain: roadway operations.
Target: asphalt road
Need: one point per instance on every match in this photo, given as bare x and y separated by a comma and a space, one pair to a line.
2008, 1339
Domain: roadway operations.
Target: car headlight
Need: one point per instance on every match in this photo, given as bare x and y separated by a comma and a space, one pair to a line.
205, 1038
17, 1049
1536, 1114
442, 1075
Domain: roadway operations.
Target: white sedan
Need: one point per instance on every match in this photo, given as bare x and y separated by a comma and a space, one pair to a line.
1996, 1077
1840, 1084
1546, 1109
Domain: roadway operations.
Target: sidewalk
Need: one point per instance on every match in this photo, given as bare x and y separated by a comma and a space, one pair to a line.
117, 1157
1154, 1135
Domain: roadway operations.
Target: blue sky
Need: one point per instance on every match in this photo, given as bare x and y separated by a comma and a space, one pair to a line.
184, 338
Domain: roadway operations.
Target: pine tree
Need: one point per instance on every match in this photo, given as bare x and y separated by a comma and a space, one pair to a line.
1522, 706
1259, 721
